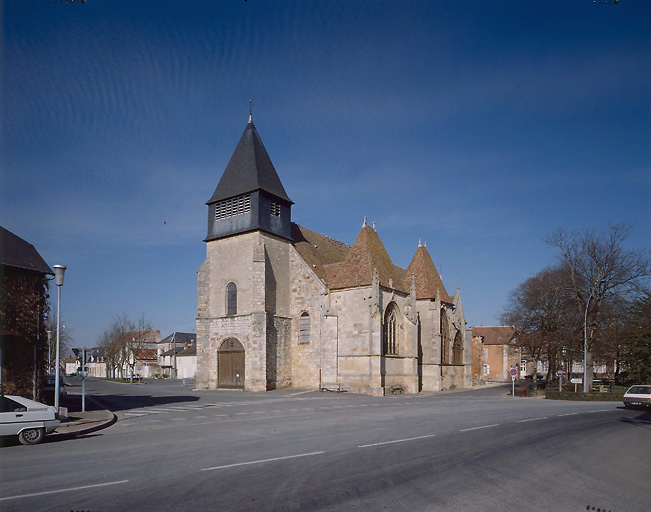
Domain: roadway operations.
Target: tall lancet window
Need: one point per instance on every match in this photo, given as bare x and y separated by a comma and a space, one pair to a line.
445, 338
457, 349
304, 328
390, 331
231, 299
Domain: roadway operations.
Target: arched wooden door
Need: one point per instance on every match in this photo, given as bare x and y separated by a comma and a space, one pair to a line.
230, 365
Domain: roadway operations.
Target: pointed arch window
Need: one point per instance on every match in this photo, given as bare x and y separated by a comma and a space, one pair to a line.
445, 338
304, 328
457, 349
390, 330
231, 299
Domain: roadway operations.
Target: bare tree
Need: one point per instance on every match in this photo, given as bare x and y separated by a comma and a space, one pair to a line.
540, 311
601, 274
113, 341
123, 341
138, 338
65, 339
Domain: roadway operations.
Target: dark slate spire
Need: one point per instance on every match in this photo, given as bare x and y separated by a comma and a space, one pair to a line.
249, 196
249, 169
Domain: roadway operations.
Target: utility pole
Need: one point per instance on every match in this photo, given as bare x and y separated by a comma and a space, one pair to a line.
174, 342
83, 381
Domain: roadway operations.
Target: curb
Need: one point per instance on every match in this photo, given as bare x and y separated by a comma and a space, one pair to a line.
71, 435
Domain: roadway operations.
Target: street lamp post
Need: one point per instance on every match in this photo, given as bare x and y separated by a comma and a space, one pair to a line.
59, 271
49, 351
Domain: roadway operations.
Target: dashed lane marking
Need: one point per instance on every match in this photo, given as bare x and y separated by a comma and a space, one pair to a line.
478, 428
532, 419
396, 441
262, 461
56, 491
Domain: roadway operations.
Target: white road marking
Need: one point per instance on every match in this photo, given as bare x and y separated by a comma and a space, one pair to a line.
62, 490
302, 392
262, 461
532, 419
135, 414
477, 428
568, 414
396, 441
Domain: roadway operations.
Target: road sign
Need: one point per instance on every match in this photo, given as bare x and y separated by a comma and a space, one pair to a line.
576, 381
513, 372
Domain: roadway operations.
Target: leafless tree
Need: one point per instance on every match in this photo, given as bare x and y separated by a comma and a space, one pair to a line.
65, 339
138, 339
601, 275
540, 311
123, 340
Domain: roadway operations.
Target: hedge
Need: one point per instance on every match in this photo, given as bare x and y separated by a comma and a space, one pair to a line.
591, 397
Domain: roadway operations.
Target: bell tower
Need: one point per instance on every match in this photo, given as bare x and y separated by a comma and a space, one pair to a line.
250, 195
243, 314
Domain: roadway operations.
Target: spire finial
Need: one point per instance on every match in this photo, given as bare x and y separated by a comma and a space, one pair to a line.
250, 111
364, 225
420, 243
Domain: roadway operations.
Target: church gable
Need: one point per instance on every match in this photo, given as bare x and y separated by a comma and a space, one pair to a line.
366, 255
426, 277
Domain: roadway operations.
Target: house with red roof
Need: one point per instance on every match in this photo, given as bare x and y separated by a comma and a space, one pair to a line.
499, 352
280, 305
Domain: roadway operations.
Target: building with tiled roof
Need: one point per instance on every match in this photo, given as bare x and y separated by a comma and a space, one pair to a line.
280, 305
497, 353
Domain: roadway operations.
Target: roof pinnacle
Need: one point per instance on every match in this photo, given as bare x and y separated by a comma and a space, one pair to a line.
250, 111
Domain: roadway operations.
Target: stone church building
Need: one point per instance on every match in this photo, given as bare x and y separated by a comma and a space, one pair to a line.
280, 305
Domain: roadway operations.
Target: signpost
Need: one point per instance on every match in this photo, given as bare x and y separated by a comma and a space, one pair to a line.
83, 381
575, 382
513, 373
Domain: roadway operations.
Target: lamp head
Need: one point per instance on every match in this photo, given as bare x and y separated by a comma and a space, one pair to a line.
59, 271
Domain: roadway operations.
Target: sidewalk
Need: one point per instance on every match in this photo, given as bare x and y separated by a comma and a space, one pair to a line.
80, 423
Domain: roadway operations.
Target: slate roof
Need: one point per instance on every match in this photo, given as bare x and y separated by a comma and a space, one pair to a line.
249, 169
181, 351
16, 252
181, 338
427, 279
500, 335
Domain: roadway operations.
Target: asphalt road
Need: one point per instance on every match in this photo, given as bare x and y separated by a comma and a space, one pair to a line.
476, 450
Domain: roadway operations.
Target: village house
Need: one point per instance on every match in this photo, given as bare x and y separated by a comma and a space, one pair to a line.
280, 305
498, 352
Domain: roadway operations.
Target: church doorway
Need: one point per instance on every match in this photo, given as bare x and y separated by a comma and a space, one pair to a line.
230, 365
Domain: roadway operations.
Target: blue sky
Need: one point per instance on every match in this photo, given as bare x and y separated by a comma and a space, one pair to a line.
479, 127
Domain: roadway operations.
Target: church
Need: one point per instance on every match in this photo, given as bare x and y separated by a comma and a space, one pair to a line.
282, 306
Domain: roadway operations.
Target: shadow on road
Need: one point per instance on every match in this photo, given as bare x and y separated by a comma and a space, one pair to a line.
638, 418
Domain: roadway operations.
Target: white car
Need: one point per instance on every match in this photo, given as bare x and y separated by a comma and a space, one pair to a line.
638, 396
27, 419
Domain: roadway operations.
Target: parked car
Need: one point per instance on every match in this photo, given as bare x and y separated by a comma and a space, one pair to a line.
27, 419
637, 396
48, 388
